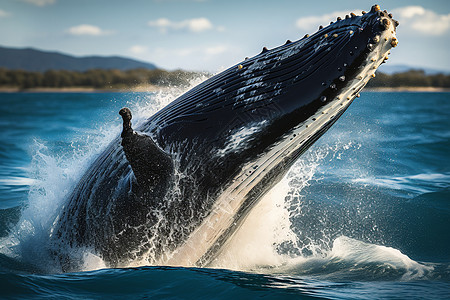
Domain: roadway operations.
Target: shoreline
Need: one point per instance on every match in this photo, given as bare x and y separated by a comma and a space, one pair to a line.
428, 89
153, 88
138, 88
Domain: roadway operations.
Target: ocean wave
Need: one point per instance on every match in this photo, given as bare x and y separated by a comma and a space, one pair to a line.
351, 259
17, 181
417, 184
204, 283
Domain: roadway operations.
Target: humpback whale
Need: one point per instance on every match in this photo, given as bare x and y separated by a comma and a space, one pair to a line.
175, 189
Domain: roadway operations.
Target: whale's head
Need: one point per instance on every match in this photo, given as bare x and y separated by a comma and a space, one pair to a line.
332, 64
341, 58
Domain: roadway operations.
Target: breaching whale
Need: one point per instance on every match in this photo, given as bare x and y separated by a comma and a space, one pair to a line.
175, 189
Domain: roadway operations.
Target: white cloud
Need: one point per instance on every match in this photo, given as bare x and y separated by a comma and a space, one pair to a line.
161, 23
86, 29
40, 2
192, 25
417, 19
138, 49
183, 52
195, 53
312, 23
4, 13
409, 12
198, 25
180, 0
206, 57
215, 50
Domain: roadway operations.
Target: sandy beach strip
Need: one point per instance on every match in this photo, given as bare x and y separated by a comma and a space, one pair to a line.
154, 88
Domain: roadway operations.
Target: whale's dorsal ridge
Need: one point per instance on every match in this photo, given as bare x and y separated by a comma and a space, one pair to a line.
151, 166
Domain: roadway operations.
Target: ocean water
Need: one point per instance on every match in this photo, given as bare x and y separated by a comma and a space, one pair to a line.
363, 214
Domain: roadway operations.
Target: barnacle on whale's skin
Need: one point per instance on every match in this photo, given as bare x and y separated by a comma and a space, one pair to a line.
176, 189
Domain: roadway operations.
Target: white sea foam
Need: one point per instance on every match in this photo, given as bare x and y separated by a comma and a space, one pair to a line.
353, 259
360, 254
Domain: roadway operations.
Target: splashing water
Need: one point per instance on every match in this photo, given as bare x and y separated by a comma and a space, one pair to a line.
54, 175
256, 244
269, 240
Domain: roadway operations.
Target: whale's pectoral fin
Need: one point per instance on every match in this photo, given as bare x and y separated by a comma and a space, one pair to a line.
152, 167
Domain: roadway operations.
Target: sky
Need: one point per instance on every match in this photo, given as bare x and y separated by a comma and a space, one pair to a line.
210, 35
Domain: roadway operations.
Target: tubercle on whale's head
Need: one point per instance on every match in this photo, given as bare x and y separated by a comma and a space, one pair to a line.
366, 45
370, 38
337, 58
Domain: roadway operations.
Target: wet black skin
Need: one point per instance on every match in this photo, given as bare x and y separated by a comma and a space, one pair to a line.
114, 208
152, 167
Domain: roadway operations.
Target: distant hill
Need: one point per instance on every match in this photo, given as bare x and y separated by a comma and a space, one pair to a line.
394, 69
30, 59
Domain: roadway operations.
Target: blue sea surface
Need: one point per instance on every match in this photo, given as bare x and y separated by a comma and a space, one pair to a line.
369, 205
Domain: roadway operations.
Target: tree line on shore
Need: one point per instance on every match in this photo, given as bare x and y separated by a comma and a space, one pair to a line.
412, 78
116, 79
96, 78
